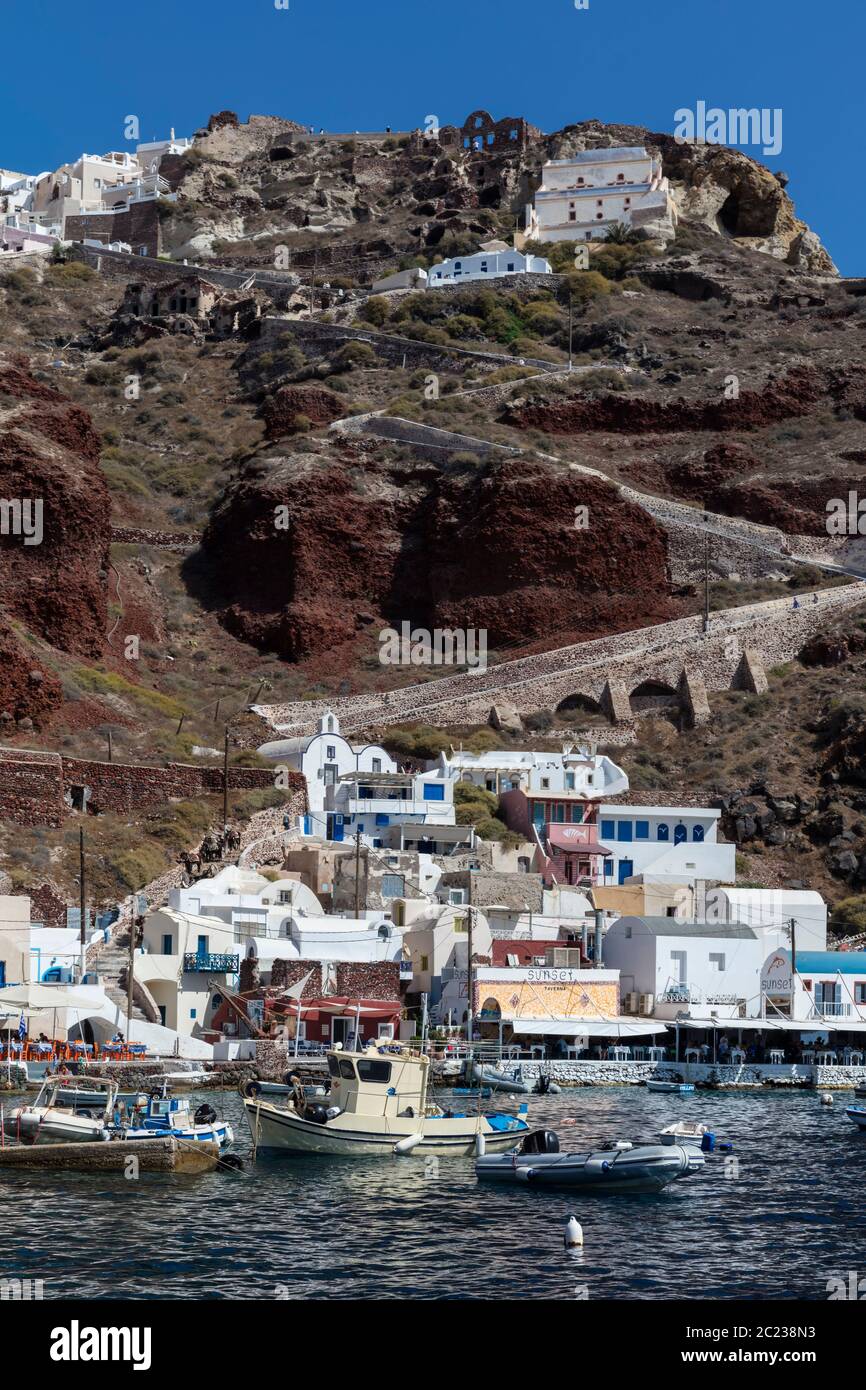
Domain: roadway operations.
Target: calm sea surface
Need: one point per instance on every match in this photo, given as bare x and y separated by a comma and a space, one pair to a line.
789, 1219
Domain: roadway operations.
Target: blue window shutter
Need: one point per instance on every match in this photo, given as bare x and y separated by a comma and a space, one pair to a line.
641, 829
434, 791
382, 819
624, 830
608, 829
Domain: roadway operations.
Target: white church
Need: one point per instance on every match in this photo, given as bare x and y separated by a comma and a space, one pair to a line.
580, 198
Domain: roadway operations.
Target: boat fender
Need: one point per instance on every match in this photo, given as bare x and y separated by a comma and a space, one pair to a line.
553, 1089
708, 1142
333, 1111
407, 1144
251, 1089
234, 1162
480, 1146
523, 1174
573, 1234
826, 1099
205, 1115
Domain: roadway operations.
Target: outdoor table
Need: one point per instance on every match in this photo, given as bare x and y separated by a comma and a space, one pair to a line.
574, 1051
619, 1053
853, 1058
537, 1050
777, 1057
656, 1054
828, 1059
639, 1054
693, 1054
138, 1049
738, 1056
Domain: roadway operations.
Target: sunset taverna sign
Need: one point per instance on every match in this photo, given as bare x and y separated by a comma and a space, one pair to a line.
776, 976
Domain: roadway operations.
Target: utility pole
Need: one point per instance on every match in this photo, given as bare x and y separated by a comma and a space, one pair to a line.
706, 583
226, 778
82, 904
130, 973
110, 750
313, 283
470, 1013
358, 874
570, 332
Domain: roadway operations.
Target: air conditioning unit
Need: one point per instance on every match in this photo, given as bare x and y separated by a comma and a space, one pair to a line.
631, 1003
647, 1002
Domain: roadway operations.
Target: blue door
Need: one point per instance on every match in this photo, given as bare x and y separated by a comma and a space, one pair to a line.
626, 869
335, 826
201, 949
2, 972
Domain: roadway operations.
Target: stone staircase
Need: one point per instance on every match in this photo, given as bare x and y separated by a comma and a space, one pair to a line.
111, 961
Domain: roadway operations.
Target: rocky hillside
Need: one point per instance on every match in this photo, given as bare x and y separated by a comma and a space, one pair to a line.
54, 576
248, 187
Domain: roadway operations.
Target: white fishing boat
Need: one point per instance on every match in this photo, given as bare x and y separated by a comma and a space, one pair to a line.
671, 1088
377, 1105
857, 1115
54, 1120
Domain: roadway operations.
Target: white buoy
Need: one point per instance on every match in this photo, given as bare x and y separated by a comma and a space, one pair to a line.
573, 1234
480, 1146
411, 1141
826, 1099
523, 1174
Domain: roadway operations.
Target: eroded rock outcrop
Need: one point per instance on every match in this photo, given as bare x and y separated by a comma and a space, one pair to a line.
366, 540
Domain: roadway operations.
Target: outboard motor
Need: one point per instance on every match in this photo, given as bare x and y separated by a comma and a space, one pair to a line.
205, 1115
541, 1141
542, 1085
316, 1114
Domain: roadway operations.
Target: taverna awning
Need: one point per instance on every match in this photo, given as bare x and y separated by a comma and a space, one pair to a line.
774, 1025
587, 1027
581, 839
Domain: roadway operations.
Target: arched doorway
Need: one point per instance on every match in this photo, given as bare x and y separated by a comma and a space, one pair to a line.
653, 697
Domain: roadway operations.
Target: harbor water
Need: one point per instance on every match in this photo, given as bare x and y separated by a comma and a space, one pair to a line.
779, 1221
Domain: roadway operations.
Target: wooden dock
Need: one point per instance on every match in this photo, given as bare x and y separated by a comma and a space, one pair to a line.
164, 1155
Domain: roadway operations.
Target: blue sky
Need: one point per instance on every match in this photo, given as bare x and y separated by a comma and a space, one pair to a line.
365, 64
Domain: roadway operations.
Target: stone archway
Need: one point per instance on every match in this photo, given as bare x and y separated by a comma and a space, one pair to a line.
581, 709
654, 697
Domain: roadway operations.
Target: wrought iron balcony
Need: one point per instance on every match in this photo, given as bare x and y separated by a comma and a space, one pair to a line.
217, 963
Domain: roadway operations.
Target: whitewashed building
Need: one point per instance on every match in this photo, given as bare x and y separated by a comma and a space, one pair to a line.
485, 265
668, 967
580, 772
680, 842
581, 197
359, 788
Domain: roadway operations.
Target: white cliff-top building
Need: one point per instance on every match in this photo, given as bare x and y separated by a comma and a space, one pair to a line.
580, 198
485, 265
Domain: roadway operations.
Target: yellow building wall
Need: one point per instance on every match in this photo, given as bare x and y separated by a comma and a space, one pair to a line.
525, 999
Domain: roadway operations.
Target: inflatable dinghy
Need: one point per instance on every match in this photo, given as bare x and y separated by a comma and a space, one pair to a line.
622, 1167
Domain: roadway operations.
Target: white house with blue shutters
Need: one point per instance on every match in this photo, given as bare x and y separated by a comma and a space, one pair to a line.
359, 788
681, 841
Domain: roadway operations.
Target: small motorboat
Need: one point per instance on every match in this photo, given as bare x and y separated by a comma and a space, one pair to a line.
483, 1092
860, 1092
50, 1120
619, 1167
79, 1098
162, 1115
504, 1079
857, 1114
697, 1135
671, 1088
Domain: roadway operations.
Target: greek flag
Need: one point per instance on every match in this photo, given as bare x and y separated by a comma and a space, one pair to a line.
22, 1028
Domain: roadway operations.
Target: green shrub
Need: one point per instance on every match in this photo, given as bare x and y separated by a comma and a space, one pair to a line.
375, 310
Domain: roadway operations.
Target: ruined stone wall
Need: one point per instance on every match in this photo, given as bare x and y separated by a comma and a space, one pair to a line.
120, 265
522, 891
33, 784
390, 347
127, 787
138, 226
31, 788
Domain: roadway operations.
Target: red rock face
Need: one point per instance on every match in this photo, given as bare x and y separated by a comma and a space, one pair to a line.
796, 395
56, 586
282, 409
375, 542
27, 690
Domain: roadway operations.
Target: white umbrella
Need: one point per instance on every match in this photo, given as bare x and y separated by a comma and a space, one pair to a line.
35, 997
